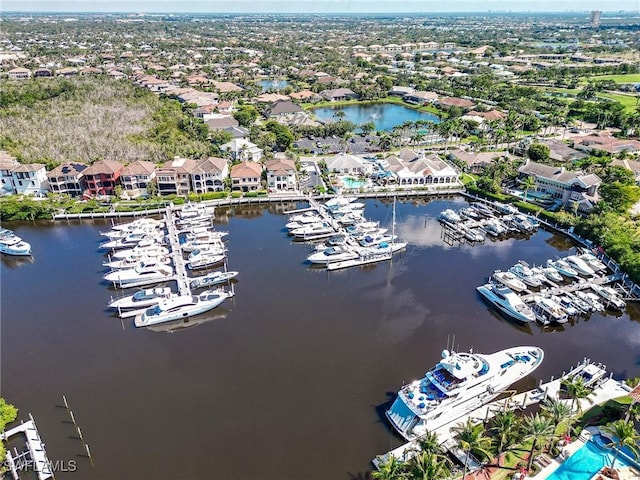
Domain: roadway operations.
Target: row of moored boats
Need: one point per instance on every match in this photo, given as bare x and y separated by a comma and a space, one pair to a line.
553, 293
348, 238
149, 253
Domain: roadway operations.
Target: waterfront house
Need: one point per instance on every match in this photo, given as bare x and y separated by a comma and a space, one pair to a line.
7, 164
343, 163
246, 176
175, 176
450, 102
422, 171
567, 188
42, 72
562, 152
607, 143
283, 107
68, 178
420, 98
19, 73
475, 162
339, 94
281, 174
271, 98
209, 174
102, 177
305, 96
30, 179
400, 91
242, 149
135, 177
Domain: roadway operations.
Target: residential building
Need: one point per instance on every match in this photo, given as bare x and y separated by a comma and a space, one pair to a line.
68, 178
449, 102
284, 107
242, 149
30, 179
174, 178
339, 94
246, 176
477, 161
281, 174
420, 98
561, 152
237, 132
305, 96
564, 186
7, 164
209, 174
220, 122
135, 178
19, 73
422, 171
102, 177
607, 143
631, 165
343, 163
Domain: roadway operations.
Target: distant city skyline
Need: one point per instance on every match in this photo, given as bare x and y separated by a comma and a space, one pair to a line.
312, 6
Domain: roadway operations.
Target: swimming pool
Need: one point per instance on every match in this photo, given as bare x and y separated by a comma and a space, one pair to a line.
350, 182
586, 462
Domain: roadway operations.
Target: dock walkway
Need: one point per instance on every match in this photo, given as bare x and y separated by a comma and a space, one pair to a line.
36, 455
176, 253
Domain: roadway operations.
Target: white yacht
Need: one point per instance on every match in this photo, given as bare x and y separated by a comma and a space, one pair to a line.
11, 244
142, 298
333, 254
132, 262
140, 275
457, 385
579, 265
494, 227
313, 229
508, 279
594, 262
204, 260
549, 273
525, 274
591, 298
563, 267
180, 307
611, 297
548, 311
155, 250
507, 301
213, 278
133, 240
449, 215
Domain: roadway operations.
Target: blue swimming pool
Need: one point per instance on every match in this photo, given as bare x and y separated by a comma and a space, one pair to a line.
586, 462
350, 182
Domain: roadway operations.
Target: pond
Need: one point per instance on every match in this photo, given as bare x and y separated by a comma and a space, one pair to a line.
272, 85
384, 115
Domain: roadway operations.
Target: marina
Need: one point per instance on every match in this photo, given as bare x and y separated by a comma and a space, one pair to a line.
343, 341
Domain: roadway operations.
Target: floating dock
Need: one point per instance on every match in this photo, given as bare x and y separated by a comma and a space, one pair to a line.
35, 457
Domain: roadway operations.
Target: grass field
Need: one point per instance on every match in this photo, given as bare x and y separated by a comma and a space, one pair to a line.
628, 78
630, 102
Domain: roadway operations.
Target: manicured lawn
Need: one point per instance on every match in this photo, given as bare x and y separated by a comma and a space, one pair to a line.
628, 78
630, 102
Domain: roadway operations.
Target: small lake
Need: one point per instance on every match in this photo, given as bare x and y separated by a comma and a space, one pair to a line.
384, 115
272, 85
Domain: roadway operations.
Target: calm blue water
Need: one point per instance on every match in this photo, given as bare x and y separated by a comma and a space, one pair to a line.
585, 463
384, 115
271, 85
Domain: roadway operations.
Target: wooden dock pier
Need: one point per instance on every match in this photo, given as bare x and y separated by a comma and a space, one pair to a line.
179, 265
35, 457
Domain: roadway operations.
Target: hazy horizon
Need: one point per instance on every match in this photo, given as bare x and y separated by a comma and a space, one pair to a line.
310, 6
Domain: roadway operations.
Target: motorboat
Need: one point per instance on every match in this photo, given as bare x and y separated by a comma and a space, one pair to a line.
594, 262
563, 268
131, 262
591, 298
505, 208
203, 233
334, 241
300, 221
577, 302
611, 297
494, 227
483, 210
207, 249
507, 301
508, 279
179, 307
155, 250
470, 213
374, 240
313, 230
548, 312
133, 240
566, 304
138, 223
450, 216
213, 278
12, 244
525, 274
339, 201
193, 210
522, 223
457, 385
333, 254
142, 274
579, 265
143, 229
204, 246
473, 235
141, 299
549, 273
205, 260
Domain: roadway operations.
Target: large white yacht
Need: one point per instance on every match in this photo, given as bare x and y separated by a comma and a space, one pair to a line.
11, 244
507, 301
181, 307
457, 385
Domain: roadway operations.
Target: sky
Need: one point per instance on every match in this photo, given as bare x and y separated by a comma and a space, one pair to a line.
313, 6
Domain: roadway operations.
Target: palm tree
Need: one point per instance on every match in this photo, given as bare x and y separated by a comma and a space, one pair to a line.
472, 440
390, 469
633, 412
429, 443
538, 429
428, 466
505, 426
528, 183
576, 390
625, 435
559, 412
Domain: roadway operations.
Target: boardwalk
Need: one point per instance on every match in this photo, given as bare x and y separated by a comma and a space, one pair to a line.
176, 253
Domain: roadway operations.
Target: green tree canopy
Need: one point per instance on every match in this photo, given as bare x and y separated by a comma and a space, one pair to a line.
538, 152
